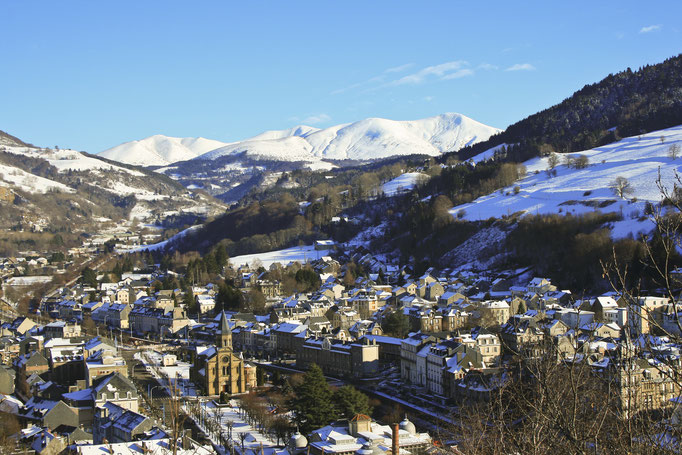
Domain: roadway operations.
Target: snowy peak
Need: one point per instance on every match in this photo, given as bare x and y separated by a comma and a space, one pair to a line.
299, 130
369, 139
160, 150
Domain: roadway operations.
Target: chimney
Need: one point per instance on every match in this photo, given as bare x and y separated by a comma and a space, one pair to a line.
186, 441
395, 442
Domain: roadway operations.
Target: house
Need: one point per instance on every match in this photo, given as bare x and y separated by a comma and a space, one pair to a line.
113, 387
47, 413
284, 336
494, 312
102, 363
42, 441
522, 336
389, 348
574, 318
62, 329
411, 372
7, 379
645, 313
157, 322
19, 326
434, 290
540, 286
488, 344
643, 386
113, 424
365, 302
27, 365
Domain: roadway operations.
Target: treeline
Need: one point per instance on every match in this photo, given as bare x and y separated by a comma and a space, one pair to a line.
572, 250
623, 104
272, 219
464, 182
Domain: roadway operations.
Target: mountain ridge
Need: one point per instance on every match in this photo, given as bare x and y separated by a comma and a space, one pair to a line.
367, 139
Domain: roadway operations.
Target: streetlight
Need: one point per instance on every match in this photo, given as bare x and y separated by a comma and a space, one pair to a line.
150, 390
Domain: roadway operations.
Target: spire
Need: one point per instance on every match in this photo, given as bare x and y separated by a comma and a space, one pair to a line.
224, 335
224, 326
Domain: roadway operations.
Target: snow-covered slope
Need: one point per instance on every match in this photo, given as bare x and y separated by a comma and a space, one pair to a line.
403, 183
160, 150
368, 139
39, 178
637, 159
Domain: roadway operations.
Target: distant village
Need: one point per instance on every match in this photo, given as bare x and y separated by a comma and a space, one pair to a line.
78, 373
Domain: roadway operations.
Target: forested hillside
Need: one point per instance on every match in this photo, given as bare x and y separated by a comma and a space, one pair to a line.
623, 104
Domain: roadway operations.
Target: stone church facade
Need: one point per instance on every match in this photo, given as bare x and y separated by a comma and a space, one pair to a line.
217, 369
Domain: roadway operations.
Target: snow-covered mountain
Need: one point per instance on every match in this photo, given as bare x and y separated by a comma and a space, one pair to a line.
160, 150
66, 188
368, 139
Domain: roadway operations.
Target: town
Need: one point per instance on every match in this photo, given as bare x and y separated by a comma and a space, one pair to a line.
160, 357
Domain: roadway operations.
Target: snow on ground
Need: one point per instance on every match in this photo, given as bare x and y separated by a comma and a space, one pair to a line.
153, 362
28, 280
484, 156
254, 440
366, 236
320, 166
480, 251
161, 245
140, 212
577, 191
66, 159
403, 183
372, 138
297, 253
29, 182
161, 150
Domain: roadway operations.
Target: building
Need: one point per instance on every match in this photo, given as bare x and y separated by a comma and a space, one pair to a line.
114, 388
411, 371
62, 329
157, 321
362, 436
338, 358
113, 424
495, 312
217, 369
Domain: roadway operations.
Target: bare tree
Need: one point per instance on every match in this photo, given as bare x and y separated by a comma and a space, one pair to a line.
552, 163
621, 187
674, 151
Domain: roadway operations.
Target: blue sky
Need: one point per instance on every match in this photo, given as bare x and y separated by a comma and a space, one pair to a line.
90, 75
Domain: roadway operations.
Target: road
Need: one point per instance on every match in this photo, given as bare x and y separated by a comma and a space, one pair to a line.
156, 403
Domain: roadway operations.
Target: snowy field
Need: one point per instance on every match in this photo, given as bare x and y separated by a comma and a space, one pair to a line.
28, 280
297, 253
403, 183
161, 245
577, 191
29, 182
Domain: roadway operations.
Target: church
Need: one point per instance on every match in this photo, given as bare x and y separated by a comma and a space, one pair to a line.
216, 369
